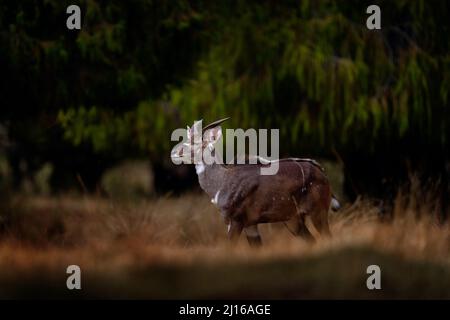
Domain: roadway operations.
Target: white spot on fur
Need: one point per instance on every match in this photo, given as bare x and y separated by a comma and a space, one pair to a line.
229, 227
215, 200
199, 168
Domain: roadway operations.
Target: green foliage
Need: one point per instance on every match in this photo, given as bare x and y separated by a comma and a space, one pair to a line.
317, 73
139, 69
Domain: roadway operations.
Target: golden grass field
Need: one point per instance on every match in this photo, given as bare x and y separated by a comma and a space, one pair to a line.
176, 247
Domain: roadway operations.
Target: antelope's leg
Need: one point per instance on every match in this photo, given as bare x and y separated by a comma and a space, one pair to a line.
320, 221
298, 228
302, 229
253, 236
234, 230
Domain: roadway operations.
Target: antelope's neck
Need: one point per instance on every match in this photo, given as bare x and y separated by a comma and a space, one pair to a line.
210, 177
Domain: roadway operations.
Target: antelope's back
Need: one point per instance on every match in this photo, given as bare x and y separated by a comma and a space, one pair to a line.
304, 170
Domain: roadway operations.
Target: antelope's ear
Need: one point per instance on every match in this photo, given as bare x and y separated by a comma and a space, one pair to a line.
213, 135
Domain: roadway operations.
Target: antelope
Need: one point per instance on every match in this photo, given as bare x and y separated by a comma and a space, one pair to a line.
245, 198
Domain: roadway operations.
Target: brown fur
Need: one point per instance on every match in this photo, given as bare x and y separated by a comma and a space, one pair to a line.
246, 198
299, 189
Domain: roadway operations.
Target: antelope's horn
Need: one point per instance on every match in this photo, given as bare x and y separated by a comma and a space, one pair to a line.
215, 124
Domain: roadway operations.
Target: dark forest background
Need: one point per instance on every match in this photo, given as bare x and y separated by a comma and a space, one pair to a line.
375, 101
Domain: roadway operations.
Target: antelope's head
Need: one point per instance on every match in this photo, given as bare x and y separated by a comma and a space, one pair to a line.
199, 140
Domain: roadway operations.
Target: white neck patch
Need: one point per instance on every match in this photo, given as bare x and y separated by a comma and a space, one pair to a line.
199, 168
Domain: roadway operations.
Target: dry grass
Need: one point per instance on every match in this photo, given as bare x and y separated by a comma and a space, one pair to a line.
177, 248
